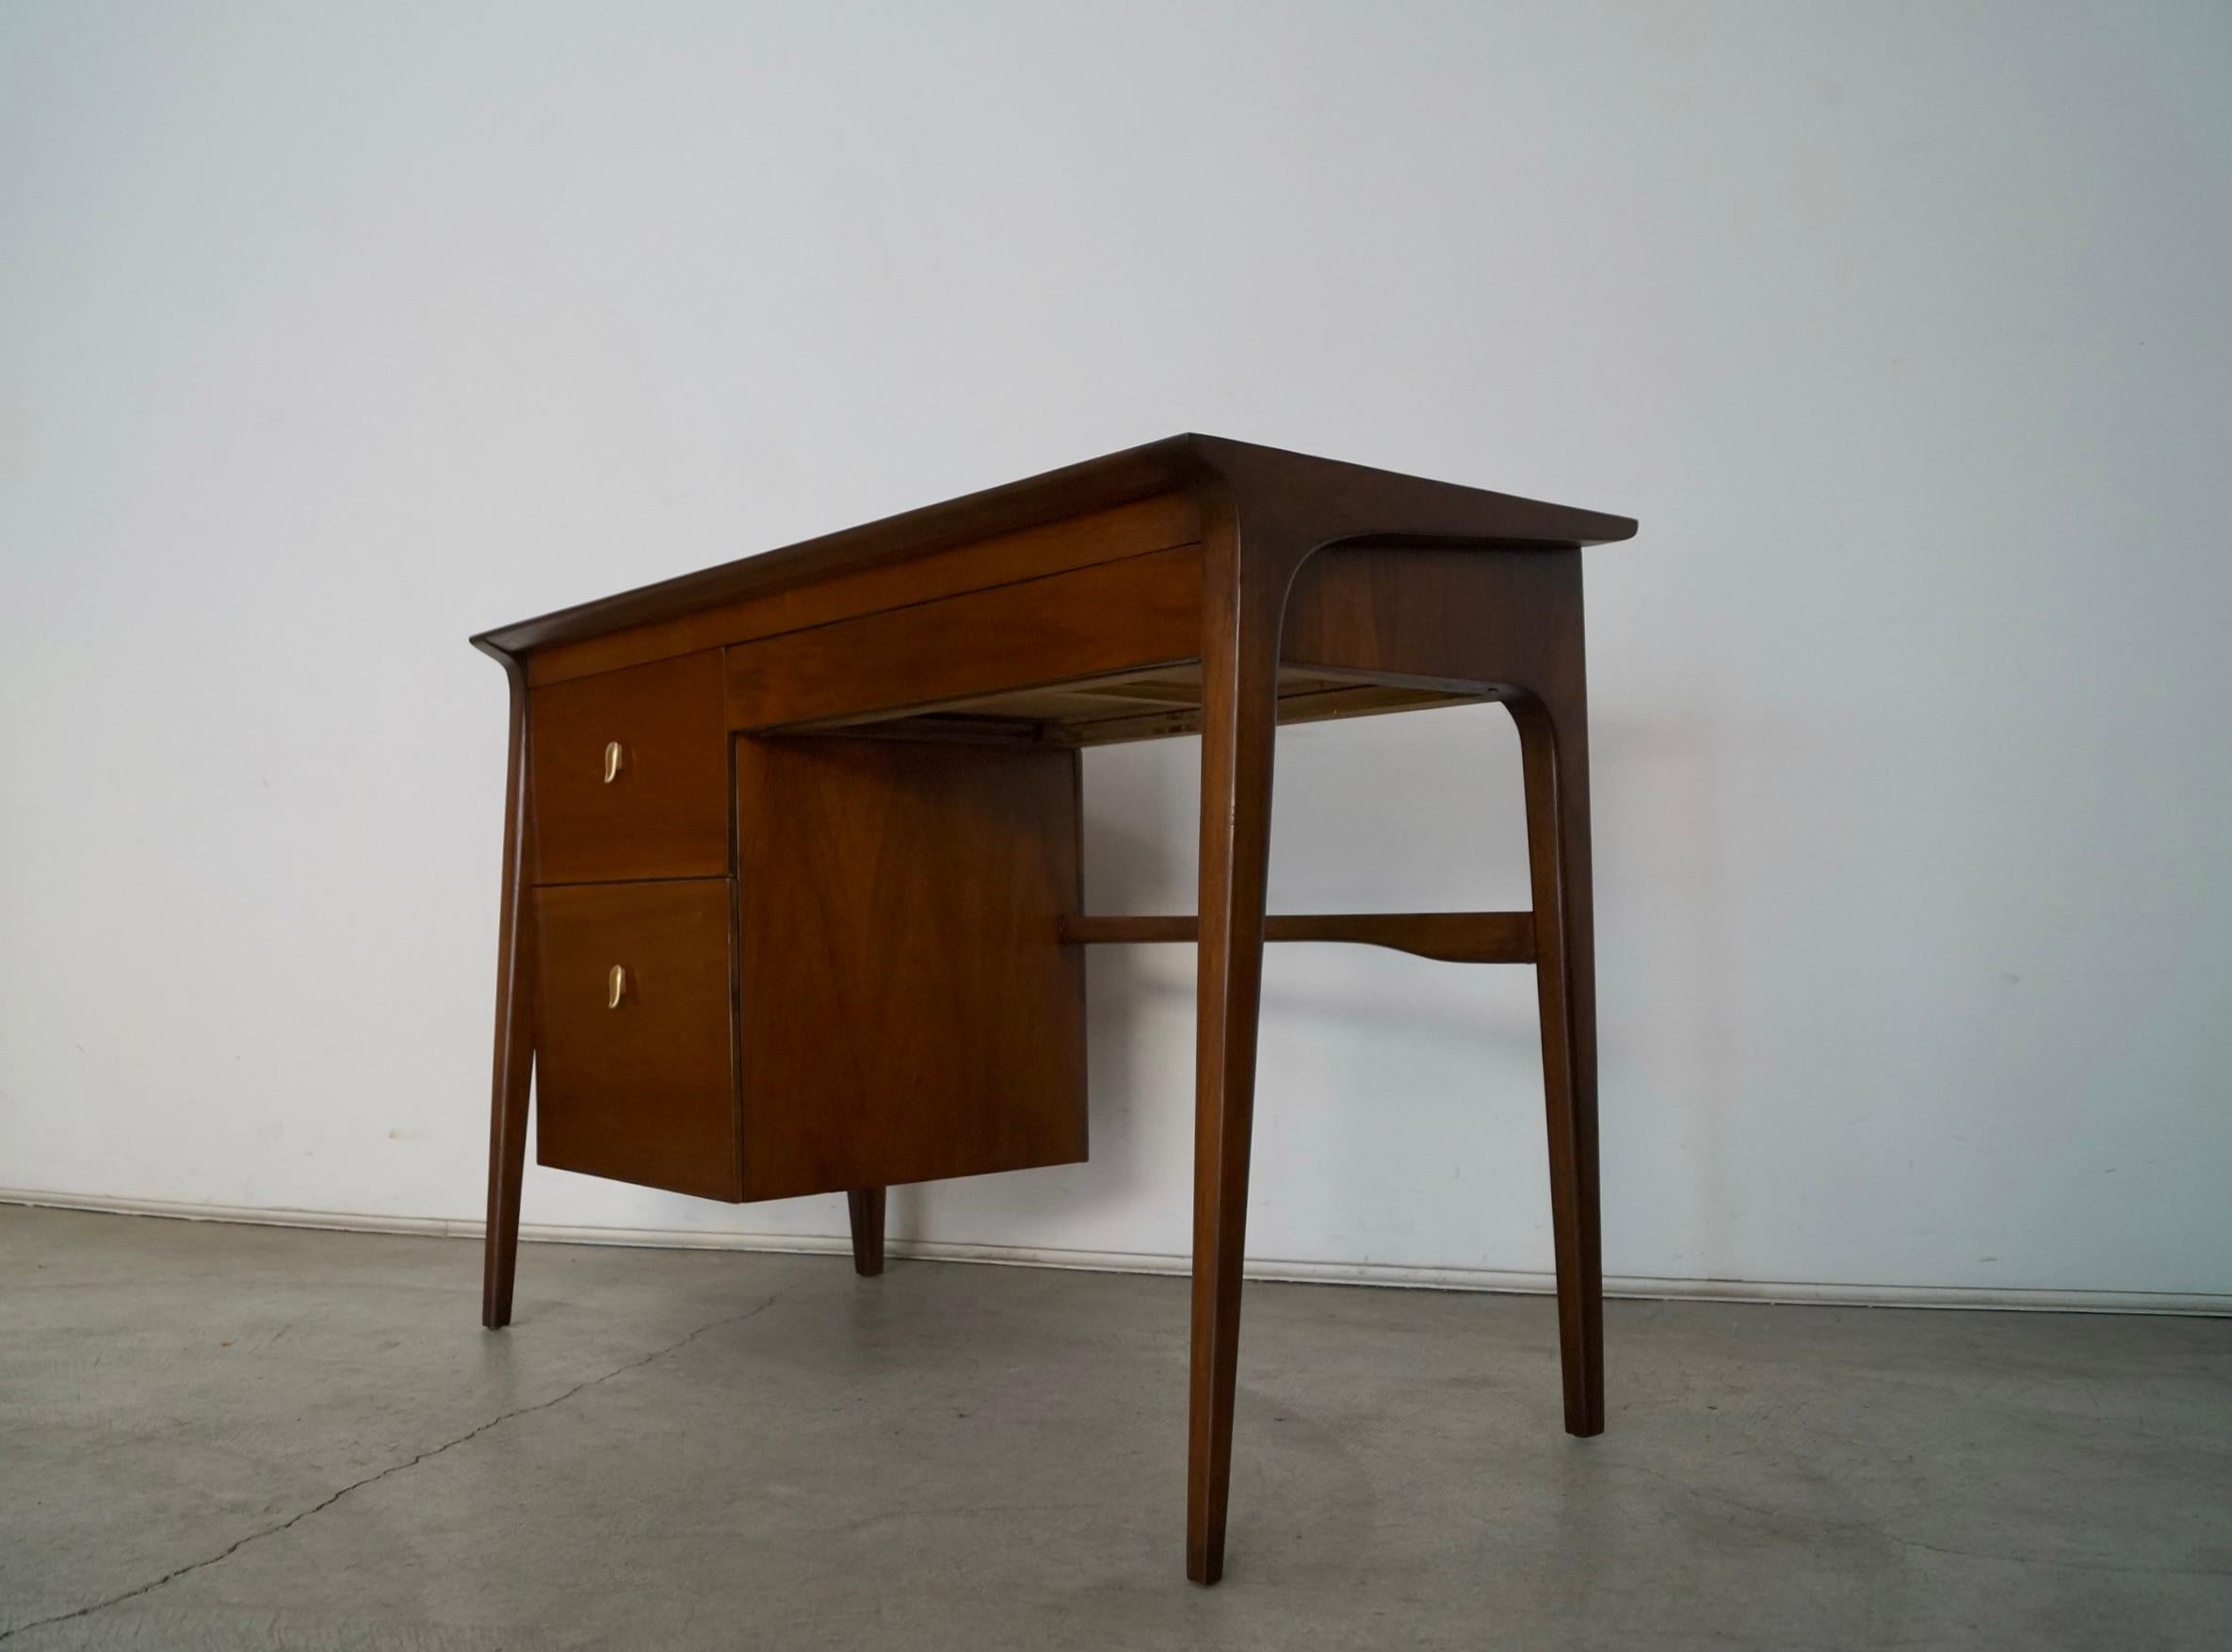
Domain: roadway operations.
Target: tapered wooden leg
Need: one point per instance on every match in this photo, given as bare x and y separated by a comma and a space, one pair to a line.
514, 1051
1554, 748
1239, 687
866, 1205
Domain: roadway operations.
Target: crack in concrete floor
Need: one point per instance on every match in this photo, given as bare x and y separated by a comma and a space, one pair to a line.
393, 1468
1794, 1474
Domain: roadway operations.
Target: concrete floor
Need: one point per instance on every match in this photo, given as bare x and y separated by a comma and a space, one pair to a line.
216, 1436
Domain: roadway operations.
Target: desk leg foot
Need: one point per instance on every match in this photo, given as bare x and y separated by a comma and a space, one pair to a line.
866, 1206
507, 1132
1239, 683
1554, 748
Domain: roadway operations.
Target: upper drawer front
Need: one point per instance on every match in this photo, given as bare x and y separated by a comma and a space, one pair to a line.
630, 774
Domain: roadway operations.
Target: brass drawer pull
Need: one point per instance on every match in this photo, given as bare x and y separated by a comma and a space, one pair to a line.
616, 986
612, 759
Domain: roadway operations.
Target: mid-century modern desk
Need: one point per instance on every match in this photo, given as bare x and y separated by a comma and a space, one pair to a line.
791, 851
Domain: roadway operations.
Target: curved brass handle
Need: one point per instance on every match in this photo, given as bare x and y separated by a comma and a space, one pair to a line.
613, 760
616, 984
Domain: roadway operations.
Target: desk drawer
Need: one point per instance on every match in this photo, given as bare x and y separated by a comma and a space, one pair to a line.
630, 774
635, 1075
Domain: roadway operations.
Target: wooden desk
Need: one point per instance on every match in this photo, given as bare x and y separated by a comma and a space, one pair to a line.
791, 865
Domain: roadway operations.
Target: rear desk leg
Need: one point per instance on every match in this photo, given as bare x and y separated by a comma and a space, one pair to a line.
866, 1205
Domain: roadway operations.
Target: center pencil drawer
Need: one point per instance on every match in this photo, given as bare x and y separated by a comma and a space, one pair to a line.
635, 1076
630, 771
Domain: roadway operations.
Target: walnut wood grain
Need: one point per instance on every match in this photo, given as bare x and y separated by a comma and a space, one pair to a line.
664, 812
1345, 499
1552, 715
1105, 536
1434, 619
1244, 586
643, 1091
1089, 622
906, 1012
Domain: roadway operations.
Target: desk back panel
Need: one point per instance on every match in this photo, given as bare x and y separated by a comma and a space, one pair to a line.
906, 1009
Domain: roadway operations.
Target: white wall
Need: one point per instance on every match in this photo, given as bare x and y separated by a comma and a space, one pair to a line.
330, 334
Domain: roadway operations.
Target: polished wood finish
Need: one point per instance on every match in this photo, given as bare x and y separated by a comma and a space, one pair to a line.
1479, 625
864, 1207
1347, 501
1453, 938
866, 746
1554, 750
664, 812
1158, 524
1088, 623
1244, 598
906, 1014
642, 1090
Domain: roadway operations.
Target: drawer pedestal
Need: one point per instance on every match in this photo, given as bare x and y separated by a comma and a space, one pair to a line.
879, 992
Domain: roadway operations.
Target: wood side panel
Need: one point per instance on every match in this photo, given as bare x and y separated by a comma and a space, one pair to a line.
1089, 622
1431, 616
643, 1091
908, 1011
1105, 536
664, 812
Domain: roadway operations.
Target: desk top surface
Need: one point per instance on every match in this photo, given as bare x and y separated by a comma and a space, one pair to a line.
1346, 499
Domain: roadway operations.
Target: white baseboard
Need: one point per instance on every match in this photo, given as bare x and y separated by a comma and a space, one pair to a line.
1384, 1274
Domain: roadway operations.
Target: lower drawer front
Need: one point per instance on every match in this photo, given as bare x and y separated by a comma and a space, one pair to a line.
635, 1075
